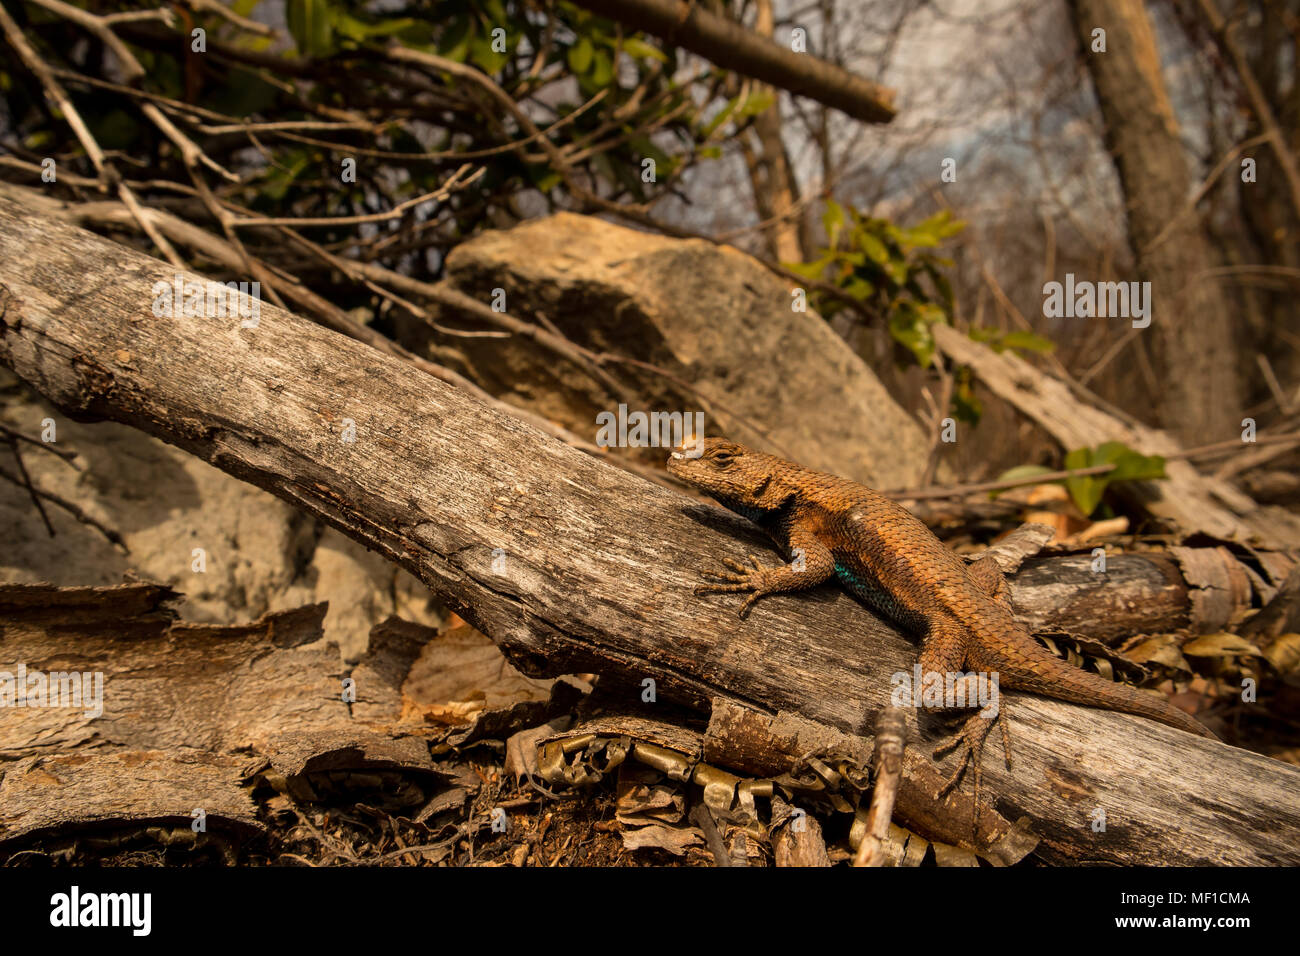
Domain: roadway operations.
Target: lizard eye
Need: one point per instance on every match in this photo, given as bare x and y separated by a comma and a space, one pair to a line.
722, 459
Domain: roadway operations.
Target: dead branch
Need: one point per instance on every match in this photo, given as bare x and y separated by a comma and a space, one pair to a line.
728, 44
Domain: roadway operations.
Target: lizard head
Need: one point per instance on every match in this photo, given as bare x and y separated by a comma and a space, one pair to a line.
745, 481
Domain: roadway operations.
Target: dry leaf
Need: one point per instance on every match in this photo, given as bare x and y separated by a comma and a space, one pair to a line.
1284, 653
1221, 644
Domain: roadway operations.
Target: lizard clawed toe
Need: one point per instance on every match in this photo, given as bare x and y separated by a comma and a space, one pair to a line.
738, 580
738, 573
970, 739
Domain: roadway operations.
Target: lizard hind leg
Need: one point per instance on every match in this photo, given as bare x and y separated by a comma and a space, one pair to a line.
971, 739
988, 576
944, 653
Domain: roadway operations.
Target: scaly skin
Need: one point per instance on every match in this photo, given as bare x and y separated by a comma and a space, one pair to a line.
888, 558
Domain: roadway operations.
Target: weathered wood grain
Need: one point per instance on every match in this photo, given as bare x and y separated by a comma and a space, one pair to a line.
596, 565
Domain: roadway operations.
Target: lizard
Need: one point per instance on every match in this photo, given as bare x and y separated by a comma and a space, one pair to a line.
887, 557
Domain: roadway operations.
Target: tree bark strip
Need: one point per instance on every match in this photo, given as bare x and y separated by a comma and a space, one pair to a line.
1187, 499
568, 563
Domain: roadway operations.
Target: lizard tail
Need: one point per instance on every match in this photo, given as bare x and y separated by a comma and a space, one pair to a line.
1083, 687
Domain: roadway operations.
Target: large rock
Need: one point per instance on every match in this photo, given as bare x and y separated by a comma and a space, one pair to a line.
259, 554
709, 315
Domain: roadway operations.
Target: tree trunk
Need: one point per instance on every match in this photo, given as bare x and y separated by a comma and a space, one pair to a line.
776, 195
1193, 320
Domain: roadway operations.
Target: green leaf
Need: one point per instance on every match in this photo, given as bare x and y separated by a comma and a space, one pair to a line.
43, 137
913, 334
1129, 464
1018, 473
1028, 341
929, 313
918, 237
280, 179
757, 102
496, 11
942, 225
244, 93
454, 42
115, 129
484, 57
876, 250
1000, 341
349, 26
544, 178
644, 51
832, 221
309, 23
897, 272
718, 119
860, 289
809, 270
879, 266
602, 69
580, 56
1085, 490
648, 150
941, 283
360, 31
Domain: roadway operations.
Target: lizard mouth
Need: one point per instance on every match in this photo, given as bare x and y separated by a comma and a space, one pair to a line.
678, 459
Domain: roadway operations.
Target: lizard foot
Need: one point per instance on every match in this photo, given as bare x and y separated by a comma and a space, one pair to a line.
971, 739
738, 580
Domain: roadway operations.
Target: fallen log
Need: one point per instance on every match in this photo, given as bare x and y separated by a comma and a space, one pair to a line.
571, 565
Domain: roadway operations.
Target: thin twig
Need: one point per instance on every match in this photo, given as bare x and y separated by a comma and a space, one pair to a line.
66, 454
221, 10
456, 181
27, 482
73, 509
60, 100
891, 738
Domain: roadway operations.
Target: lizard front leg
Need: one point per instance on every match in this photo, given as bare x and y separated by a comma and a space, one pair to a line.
813, 565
